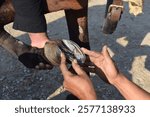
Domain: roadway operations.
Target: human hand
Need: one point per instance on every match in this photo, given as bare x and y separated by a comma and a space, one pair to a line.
80, 85
104, 62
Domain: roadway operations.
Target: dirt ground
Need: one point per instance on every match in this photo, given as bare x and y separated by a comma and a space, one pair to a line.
129, 46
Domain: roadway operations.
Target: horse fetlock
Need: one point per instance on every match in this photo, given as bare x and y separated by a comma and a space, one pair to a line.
111, 20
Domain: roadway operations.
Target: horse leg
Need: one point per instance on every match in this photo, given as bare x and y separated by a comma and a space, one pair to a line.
29, 56
113, 13
78, 26
109, 2
78, 32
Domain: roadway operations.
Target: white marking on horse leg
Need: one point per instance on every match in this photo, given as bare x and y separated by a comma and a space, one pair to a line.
80, 30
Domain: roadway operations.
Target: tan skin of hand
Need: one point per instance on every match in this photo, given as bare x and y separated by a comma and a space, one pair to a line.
103, 61
127, 88
78, 84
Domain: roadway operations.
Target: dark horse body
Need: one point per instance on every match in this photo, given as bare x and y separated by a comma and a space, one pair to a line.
76, 16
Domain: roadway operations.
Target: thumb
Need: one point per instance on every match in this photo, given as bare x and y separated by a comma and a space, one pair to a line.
77, 68
63, 66
105, 52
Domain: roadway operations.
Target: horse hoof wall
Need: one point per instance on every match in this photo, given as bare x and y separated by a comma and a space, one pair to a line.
71, 50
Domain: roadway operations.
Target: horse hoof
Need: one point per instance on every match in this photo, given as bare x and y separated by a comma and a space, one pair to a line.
112, 18
109, 26
52, 51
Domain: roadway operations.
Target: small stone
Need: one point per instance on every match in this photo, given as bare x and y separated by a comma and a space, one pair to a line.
2, 78
41, 79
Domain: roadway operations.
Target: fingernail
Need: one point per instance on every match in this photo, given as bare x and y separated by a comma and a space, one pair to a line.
105, 46
75, 61
61, 54
82, 48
